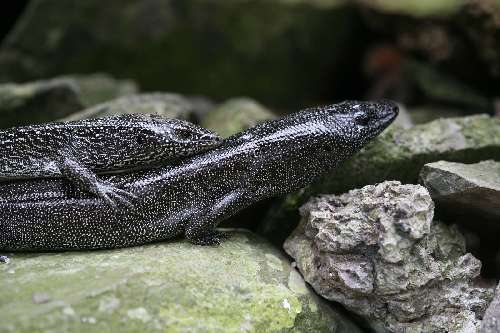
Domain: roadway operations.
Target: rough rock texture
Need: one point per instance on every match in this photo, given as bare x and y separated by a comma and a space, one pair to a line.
163, 104
214, 48
244, 285
377, 251
465, 189
47, 100
491, 320
236, 115
397, 154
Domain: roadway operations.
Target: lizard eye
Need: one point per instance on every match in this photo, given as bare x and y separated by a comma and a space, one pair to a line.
183, 134
140, 139
361, 118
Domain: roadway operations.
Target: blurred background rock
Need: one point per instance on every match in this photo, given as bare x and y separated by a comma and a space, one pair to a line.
284, 53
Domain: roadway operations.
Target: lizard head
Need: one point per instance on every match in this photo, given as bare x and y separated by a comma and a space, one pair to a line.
357, 122
293, 150
172, 138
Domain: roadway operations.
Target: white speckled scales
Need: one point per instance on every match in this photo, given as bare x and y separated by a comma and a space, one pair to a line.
193, 196
78, 150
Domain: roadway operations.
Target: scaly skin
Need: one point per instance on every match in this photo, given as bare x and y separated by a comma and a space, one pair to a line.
78, 150
191, 198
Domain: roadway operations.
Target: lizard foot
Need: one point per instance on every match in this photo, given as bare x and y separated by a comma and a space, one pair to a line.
213, 237
114, 196
4, 260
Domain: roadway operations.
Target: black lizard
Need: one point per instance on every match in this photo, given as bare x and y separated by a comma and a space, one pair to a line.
77, 150
191, 197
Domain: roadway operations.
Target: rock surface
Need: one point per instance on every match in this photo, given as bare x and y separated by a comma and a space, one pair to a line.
37, 102
218, 49
491, 320
98, 88
163, 104
48, 100
397, 154
244, 285
465, 189
236, 115
377, 251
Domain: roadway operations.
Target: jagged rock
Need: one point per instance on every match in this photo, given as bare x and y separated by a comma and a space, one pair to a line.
236, 115
244, 285
218, 49
491, 320
377, 251
163, 104
465, 189
397, 154
48, 100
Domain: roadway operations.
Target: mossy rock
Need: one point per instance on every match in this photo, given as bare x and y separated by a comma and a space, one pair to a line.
236, 115
243, 285
48, 100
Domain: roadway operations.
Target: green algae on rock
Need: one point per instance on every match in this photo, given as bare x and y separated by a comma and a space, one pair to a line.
244, 285
48, 100
397, 154
236, 115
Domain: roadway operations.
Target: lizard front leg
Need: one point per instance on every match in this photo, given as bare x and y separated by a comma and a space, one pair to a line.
201, 227
88, 181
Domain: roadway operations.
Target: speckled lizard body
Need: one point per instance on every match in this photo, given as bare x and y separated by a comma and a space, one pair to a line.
77, 150
192, 197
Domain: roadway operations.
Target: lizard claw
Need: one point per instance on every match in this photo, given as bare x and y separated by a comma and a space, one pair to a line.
115, 197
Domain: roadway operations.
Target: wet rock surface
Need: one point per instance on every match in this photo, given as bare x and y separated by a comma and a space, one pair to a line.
377, 251
164, 104
397, 154
236, 115
465, 189
244, 285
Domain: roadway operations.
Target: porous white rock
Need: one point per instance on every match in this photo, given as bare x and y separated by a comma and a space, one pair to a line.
377, 251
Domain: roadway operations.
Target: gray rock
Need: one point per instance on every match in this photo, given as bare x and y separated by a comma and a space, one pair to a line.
48, 100
99, 87
37, 102
163, 104
377, 251
491, 320
397, 154
465, 189
244, 285
236, 115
